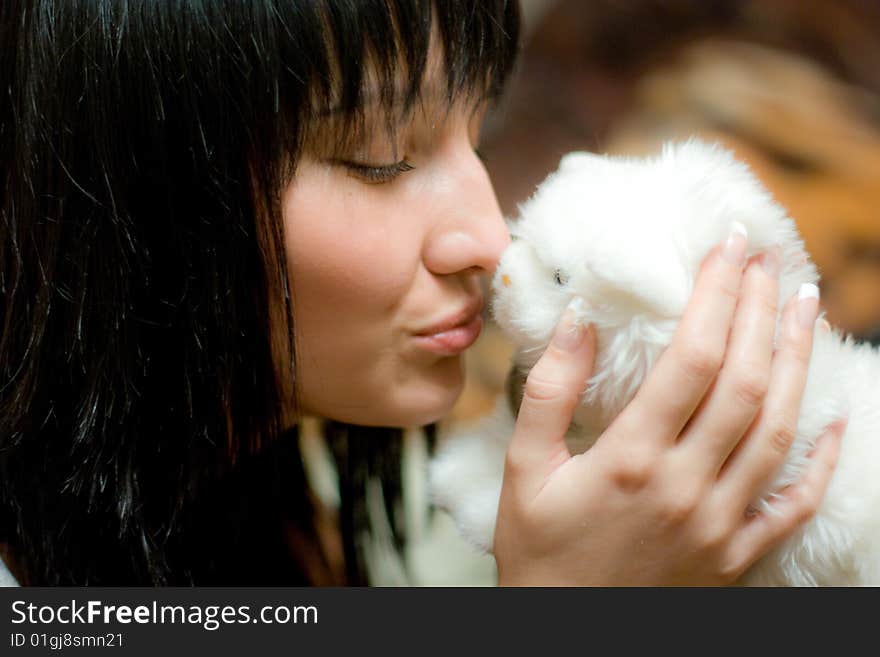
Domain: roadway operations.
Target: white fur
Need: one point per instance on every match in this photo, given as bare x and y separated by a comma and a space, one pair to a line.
628, 236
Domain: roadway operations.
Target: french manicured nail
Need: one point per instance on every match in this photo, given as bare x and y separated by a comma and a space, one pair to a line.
808, 304
771, 261
570, 332
736, 244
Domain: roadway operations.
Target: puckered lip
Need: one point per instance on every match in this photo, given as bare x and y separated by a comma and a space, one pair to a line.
460, 317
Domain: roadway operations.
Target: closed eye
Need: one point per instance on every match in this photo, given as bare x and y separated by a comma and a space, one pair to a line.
376, 173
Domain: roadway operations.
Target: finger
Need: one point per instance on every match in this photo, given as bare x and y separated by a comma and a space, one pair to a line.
683, 373
758, 457
551, 393
731, 405
794, 506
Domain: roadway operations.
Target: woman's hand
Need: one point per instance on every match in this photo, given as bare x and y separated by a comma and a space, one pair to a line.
662, 497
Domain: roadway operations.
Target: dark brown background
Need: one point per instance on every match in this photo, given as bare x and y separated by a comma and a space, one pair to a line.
793, 86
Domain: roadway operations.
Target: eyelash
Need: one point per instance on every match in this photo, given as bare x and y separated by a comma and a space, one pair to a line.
378, 174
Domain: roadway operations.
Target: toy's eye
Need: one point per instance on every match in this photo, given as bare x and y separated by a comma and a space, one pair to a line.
560, 277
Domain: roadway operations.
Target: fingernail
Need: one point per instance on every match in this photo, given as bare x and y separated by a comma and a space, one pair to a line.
736, 245
808, 304
570, 332
771, 262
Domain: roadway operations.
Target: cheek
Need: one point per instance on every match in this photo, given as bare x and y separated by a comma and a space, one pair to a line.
343, 257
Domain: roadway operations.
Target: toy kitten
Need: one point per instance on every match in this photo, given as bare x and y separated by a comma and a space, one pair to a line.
628, 235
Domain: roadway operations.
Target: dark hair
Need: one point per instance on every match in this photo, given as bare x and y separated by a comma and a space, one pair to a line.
143, 148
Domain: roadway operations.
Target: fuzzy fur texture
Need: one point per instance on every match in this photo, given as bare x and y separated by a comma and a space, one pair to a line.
628, 235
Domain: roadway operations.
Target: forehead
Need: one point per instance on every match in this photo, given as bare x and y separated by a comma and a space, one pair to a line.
392, 90
395, 90
383, 117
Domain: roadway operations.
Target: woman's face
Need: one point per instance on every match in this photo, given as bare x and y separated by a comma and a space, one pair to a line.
386, 244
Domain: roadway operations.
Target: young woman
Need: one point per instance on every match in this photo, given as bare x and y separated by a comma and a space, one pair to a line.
221, 217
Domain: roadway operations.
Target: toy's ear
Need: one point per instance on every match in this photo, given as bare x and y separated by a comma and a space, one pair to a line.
577, 160
648, 276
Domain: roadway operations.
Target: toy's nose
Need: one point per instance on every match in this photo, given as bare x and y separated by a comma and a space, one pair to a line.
505, 280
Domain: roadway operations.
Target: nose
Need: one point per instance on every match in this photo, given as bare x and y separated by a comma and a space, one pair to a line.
472, 234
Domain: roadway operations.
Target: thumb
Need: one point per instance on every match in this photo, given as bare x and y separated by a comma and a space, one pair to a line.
551, 393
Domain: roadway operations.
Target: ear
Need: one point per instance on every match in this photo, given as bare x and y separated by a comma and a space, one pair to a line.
577, 160
649, 276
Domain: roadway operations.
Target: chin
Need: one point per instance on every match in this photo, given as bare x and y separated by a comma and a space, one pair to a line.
419, 406
417, 397
426, 412
431, 398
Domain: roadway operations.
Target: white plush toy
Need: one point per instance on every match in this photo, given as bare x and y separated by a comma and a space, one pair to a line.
628, 235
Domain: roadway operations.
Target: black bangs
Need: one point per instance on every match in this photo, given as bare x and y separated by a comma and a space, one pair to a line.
478, 40
375, 52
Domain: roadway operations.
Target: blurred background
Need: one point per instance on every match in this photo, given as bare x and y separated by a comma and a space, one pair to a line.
792, 86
